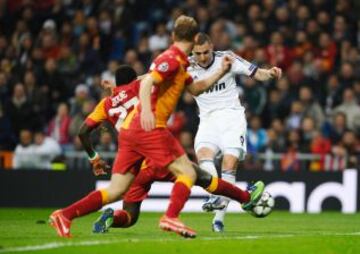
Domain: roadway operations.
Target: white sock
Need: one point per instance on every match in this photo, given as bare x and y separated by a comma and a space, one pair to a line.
229, 176
209, 166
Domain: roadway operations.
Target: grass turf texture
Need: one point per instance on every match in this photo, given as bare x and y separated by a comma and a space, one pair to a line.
24, 231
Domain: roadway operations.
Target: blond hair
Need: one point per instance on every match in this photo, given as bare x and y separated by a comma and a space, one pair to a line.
185, 28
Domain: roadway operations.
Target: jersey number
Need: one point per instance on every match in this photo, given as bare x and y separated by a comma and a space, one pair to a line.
122, 111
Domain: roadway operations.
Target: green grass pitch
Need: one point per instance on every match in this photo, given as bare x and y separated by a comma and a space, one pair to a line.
24, 231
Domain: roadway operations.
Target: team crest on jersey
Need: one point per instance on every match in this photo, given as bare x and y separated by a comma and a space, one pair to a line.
163, 67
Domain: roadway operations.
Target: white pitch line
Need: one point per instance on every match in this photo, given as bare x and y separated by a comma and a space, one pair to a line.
57, 245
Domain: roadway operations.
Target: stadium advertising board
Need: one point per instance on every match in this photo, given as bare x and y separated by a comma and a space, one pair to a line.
296, 192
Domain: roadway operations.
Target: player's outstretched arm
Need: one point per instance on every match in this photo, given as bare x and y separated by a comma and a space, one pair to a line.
100, 167
201, 86
147, 116
266, 74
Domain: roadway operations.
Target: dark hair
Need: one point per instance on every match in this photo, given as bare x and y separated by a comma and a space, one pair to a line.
202, 38
124, 75
185, 29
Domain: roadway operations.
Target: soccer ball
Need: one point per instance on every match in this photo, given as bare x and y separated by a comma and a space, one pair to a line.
264, 206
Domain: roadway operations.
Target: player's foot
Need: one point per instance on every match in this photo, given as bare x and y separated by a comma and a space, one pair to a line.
218, 226
61, 224
175, 225
255, 191
213, 203
104, 222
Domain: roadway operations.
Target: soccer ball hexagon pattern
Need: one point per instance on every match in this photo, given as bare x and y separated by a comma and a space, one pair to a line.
264, 206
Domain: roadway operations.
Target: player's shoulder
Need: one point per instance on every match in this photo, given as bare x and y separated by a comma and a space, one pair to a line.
165, 62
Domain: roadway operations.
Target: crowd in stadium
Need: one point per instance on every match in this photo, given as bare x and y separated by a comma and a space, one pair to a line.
54, 54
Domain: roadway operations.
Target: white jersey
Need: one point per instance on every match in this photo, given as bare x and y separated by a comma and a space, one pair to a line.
224, 94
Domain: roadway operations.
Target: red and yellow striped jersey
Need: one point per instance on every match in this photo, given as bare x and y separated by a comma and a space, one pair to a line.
171, 77
115, 108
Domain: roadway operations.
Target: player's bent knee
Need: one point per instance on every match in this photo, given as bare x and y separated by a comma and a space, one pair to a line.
203, 178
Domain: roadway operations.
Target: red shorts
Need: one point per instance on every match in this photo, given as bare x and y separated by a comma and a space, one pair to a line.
139, 189
158, 146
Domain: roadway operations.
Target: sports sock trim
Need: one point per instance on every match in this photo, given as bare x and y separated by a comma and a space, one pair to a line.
213, 185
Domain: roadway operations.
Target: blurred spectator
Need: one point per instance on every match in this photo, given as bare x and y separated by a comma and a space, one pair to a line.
272, 146
160, 40
290, 160
308, 132
77, 119
286, 96
302, 45
53, 81
88, 55
277, 53
347, 75
257, 136
273, 108
320, 145
24, 151
333, 94
81, 96
296, 114
311, 108
7, 137
351, 109
45, 150
19, 110
106, 143
109, 74
278, 126
326, 52
336, 128
350, 142
254, 95
58, 127
4, 88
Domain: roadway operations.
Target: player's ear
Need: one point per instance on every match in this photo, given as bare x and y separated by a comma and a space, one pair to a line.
173, 36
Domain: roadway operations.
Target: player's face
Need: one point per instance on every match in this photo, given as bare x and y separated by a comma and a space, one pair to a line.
203, 54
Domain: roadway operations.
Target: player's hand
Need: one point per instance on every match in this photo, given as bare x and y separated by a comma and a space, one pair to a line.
147, 119
275, 72
226, 63
99, 166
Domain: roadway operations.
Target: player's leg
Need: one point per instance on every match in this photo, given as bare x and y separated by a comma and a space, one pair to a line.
123, 218
163, 150
125, 161
218, 186
133, 198
228, 172
185, 178
61, 219
205, 153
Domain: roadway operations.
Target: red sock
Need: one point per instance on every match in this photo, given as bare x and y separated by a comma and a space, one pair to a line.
121, 219
229, 190
92, 202
179, 195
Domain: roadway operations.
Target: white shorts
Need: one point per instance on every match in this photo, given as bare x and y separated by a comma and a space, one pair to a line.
221, 130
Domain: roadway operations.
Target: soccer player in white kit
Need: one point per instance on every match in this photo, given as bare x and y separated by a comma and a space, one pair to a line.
223, 123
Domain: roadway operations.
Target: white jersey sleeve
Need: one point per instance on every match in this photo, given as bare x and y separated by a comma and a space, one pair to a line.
242, 67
